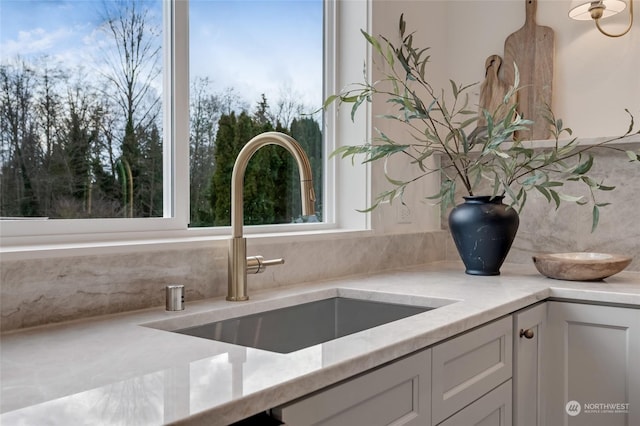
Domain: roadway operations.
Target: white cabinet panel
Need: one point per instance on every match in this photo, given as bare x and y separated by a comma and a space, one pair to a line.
528, 331
469, 366
593, 358
397, 394
493, 409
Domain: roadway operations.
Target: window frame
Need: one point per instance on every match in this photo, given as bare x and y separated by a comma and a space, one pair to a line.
347, 187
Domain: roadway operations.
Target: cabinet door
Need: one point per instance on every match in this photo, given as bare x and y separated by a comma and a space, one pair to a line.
493, 409
469, 366
528, 338
592, 355
397, 394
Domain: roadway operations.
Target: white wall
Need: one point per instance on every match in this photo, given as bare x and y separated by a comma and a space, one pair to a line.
595, 77
428, 19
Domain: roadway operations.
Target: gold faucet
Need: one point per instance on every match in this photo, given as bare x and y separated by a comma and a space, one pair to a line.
239, 263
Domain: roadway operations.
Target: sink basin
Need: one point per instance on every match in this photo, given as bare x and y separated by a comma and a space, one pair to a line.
296, 327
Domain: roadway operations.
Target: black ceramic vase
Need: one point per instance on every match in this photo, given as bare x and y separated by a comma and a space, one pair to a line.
483, 229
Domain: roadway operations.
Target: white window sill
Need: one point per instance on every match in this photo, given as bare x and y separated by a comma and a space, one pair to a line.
168, 241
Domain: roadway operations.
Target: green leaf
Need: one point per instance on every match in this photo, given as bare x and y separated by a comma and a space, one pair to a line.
369, 209
376, 152
592, 183
349, 99
468, 122
373, 42
584, 167
329, 101
446, 195
510, 192
633, 156
454, 88
350, 150
523, 200
390, 56
500, 154
602, 187
595, 218
355, 107
405, 65
395, 182
565, 150
531, 180
421, 71
544, 192
559, 125
527, 152
551, 183
556, 197
569, 198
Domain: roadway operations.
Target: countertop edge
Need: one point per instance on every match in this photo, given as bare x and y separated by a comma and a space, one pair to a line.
517, 289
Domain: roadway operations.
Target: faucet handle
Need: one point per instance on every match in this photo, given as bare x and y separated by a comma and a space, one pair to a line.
257, 264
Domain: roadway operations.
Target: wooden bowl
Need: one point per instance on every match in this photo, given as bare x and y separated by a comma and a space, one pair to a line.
580, 266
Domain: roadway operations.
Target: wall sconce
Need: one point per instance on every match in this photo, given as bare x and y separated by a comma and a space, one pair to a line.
584, 10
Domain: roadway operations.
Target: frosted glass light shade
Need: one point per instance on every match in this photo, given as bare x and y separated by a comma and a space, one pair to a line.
579, 9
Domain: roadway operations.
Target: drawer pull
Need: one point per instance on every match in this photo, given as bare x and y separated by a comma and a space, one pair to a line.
527, 334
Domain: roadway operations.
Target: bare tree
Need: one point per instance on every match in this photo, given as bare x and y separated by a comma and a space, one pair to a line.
48, 112
20, 148
287, 107
205, 111
132, 70
231, 101
134, 65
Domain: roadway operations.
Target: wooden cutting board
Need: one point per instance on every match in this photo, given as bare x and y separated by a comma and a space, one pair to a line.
532, 49
492, 90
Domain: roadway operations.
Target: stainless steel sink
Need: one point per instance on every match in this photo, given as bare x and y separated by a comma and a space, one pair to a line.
296, 327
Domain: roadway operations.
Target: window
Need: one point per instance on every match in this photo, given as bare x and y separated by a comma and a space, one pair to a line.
152, 197
255, 66
81, 109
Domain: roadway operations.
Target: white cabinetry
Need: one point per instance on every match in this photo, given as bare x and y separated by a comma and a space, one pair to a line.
552, 364
529, 330
398, 394
592, 357
493, 409
466, 382
469, 366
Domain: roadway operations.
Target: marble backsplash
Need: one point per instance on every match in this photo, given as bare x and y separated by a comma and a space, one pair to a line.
46, 290
42, 291
568, 229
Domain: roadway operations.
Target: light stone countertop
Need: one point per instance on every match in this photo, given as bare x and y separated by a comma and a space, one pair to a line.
117, 369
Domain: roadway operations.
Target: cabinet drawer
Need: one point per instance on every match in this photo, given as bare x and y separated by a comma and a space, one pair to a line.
469, 366
493, 409
397, 394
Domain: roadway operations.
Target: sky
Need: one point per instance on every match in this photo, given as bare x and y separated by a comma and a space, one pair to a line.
259, 44
254, 46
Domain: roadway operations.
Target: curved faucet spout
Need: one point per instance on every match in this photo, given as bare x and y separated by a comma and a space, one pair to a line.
237, 274
239, 168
